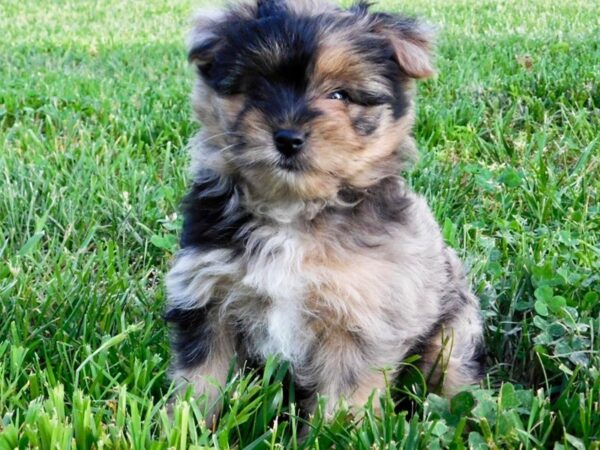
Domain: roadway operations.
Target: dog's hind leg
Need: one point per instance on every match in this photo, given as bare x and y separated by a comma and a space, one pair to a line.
454, 356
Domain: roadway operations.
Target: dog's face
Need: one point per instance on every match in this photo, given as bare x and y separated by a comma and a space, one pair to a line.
304, 99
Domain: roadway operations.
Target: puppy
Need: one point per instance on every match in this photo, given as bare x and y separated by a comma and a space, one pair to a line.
300, 237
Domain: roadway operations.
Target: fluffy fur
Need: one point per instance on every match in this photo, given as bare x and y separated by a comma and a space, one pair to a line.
326, 258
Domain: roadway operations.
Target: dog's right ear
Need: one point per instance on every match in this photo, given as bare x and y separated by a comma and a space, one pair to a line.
410, 40
203, 39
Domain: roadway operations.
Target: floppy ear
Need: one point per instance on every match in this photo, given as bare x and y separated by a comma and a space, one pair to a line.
203, 39
411, 42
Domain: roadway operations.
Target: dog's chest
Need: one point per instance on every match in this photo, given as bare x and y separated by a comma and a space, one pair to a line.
277, 280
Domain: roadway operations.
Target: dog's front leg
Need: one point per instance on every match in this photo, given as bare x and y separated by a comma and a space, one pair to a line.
204, 351
340, 368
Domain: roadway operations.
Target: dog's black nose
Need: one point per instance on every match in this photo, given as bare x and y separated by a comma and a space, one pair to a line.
289, 142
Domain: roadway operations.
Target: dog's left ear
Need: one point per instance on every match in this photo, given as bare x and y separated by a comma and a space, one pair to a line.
203, 39
411, 42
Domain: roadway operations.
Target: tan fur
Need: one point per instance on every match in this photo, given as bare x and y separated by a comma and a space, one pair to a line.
339, 64
412, 56
208, 379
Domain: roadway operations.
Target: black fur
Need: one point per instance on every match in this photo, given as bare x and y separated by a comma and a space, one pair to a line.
268, 8
240, 65
281, 104
401, 103
207, 221
479, 358
191, 335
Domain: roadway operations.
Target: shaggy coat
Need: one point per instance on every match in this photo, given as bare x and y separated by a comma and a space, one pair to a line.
313, 249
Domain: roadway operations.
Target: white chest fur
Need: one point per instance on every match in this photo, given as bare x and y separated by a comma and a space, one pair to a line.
275, 271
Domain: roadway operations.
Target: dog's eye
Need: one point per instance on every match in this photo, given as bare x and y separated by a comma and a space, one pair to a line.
339, 95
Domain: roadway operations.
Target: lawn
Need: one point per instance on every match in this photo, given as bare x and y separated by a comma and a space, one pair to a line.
94, 119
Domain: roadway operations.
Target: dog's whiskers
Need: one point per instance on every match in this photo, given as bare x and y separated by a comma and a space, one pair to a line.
227, 147
214, 136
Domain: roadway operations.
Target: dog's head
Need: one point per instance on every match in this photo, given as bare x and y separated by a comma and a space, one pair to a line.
301, 98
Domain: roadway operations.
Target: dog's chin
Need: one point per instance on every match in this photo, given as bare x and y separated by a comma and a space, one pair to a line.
278, 183
271, 177
293, 165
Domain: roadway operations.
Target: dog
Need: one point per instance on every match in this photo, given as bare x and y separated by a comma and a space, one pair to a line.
300, 237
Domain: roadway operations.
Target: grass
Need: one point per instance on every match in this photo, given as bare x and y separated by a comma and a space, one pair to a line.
94, 118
